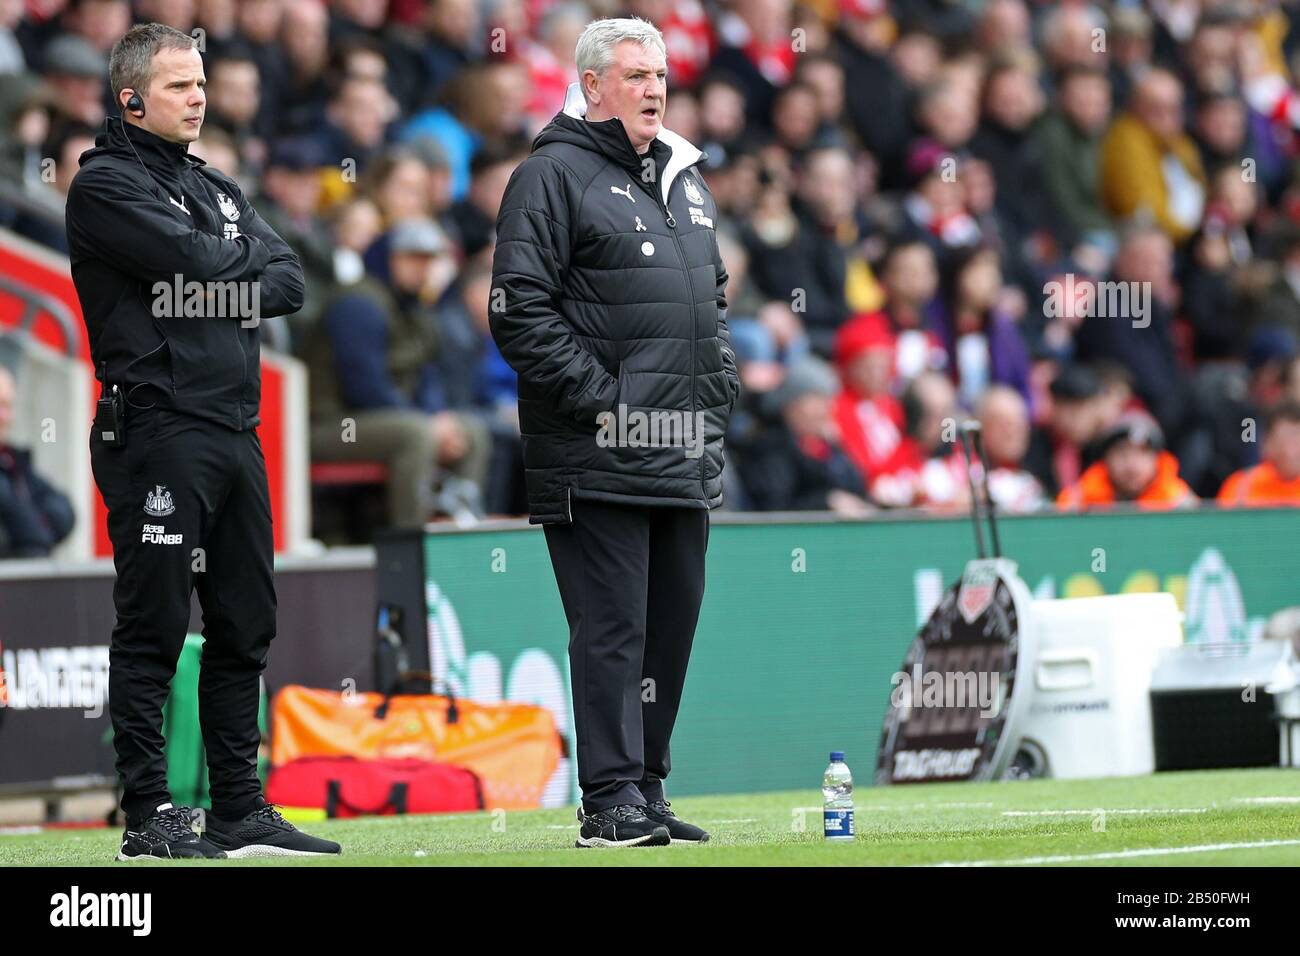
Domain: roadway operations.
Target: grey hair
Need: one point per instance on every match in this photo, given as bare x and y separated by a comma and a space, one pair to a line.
130, 65
595, 49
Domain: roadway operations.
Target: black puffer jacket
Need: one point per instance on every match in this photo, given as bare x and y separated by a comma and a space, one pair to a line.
609, 299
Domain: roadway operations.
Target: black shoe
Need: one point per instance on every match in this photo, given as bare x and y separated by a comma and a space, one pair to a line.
265, 833
624, 825
679, 830
166, 835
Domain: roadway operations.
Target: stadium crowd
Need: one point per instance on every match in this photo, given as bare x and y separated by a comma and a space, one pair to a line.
1076, 222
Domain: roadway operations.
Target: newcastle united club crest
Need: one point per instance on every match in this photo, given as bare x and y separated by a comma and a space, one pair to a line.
159, 502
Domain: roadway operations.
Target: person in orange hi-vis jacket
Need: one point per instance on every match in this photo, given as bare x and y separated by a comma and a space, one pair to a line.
1134, 467
1275, 481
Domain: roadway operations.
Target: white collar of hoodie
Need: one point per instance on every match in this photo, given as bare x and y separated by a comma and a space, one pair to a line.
685, 153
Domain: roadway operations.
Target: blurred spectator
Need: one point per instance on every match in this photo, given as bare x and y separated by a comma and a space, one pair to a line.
356, 125
449, 29
259, 23
100, 22
1134, 468
1004, 26
911, 284
1275, 481
1004, 423
234, 99
1070, 142
482, 102
551, 67
1140, 335
1279, 306
78, 73
34, 515
1012, 103
1082, 410
1130, 46
978, 329
936, 207
377, 391
755, 48
291, 192
823, 74
917, 473
479, 377
869, 417
12, 60
475, 216
801, 247
1151, 169
1220, 128
356, 224
799, 465
944, 482
216, 148
304, 42
722, 115
1069, 36
688, 34
1219, 277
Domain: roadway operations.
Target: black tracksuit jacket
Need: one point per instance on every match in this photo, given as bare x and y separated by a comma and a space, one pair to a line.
127, 232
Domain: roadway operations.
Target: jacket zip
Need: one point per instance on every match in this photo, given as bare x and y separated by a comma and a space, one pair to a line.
243, 382
239, 342
681, 255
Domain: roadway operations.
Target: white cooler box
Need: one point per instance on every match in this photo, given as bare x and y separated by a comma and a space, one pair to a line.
1090, 708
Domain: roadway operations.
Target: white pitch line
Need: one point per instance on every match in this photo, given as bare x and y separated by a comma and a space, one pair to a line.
923, 806
1088, 813
1120, 854
1266, 799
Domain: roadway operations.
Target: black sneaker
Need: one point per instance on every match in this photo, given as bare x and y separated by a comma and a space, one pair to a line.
624, 825
679, 830
166, 835
265, 833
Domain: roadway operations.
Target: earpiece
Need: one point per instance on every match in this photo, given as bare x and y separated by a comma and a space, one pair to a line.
135, 104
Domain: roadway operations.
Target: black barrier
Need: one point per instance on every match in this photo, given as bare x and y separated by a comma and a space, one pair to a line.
55, 625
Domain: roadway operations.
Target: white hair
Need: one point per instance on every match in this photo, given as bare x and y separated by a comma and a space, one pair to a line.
595, 49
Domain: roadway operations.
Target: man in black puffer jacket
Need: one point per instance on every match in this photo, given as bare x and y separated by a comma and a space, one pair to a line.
608, 300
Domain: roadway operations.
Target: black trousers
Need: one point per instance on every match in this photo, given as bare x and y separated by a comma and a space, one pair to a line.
188, 509
632, 580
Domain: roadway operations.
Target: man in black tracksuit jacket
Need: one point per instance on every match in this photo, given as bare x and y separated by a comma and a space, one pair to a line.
608, 302
186, 492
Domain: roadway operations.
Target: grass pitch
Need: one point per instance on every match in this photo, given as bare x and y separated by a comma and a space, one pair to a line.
1240, 817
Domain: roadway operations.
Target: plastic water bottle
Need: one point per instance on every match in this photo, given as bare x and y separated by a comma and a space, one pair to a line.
837, 797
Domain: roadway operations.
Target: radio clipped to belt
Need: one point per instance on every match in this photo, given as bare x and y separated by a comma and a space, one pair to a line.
110, 413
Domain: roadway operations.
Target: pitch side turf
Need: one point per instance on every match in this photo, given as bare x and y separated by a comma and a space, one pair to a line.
1241, 817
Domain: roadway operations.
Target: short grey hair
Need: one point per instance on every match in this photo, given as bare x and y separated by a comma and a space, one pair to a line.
595, 49
130, 65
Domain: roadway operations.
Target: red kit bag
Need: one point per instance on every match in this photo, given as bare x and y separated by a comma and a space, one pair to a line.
348, 787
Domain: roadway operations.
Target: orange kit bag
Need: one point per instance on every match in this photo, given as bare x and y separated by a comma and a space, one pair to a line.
513, 748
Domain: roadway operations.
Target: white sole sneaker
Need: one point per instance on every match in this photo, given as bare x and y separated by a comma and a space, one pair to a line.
601, 841
255, 850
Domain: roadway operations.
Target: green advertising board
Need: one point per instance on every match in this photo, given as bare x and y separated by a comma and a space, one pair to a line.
804, 622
